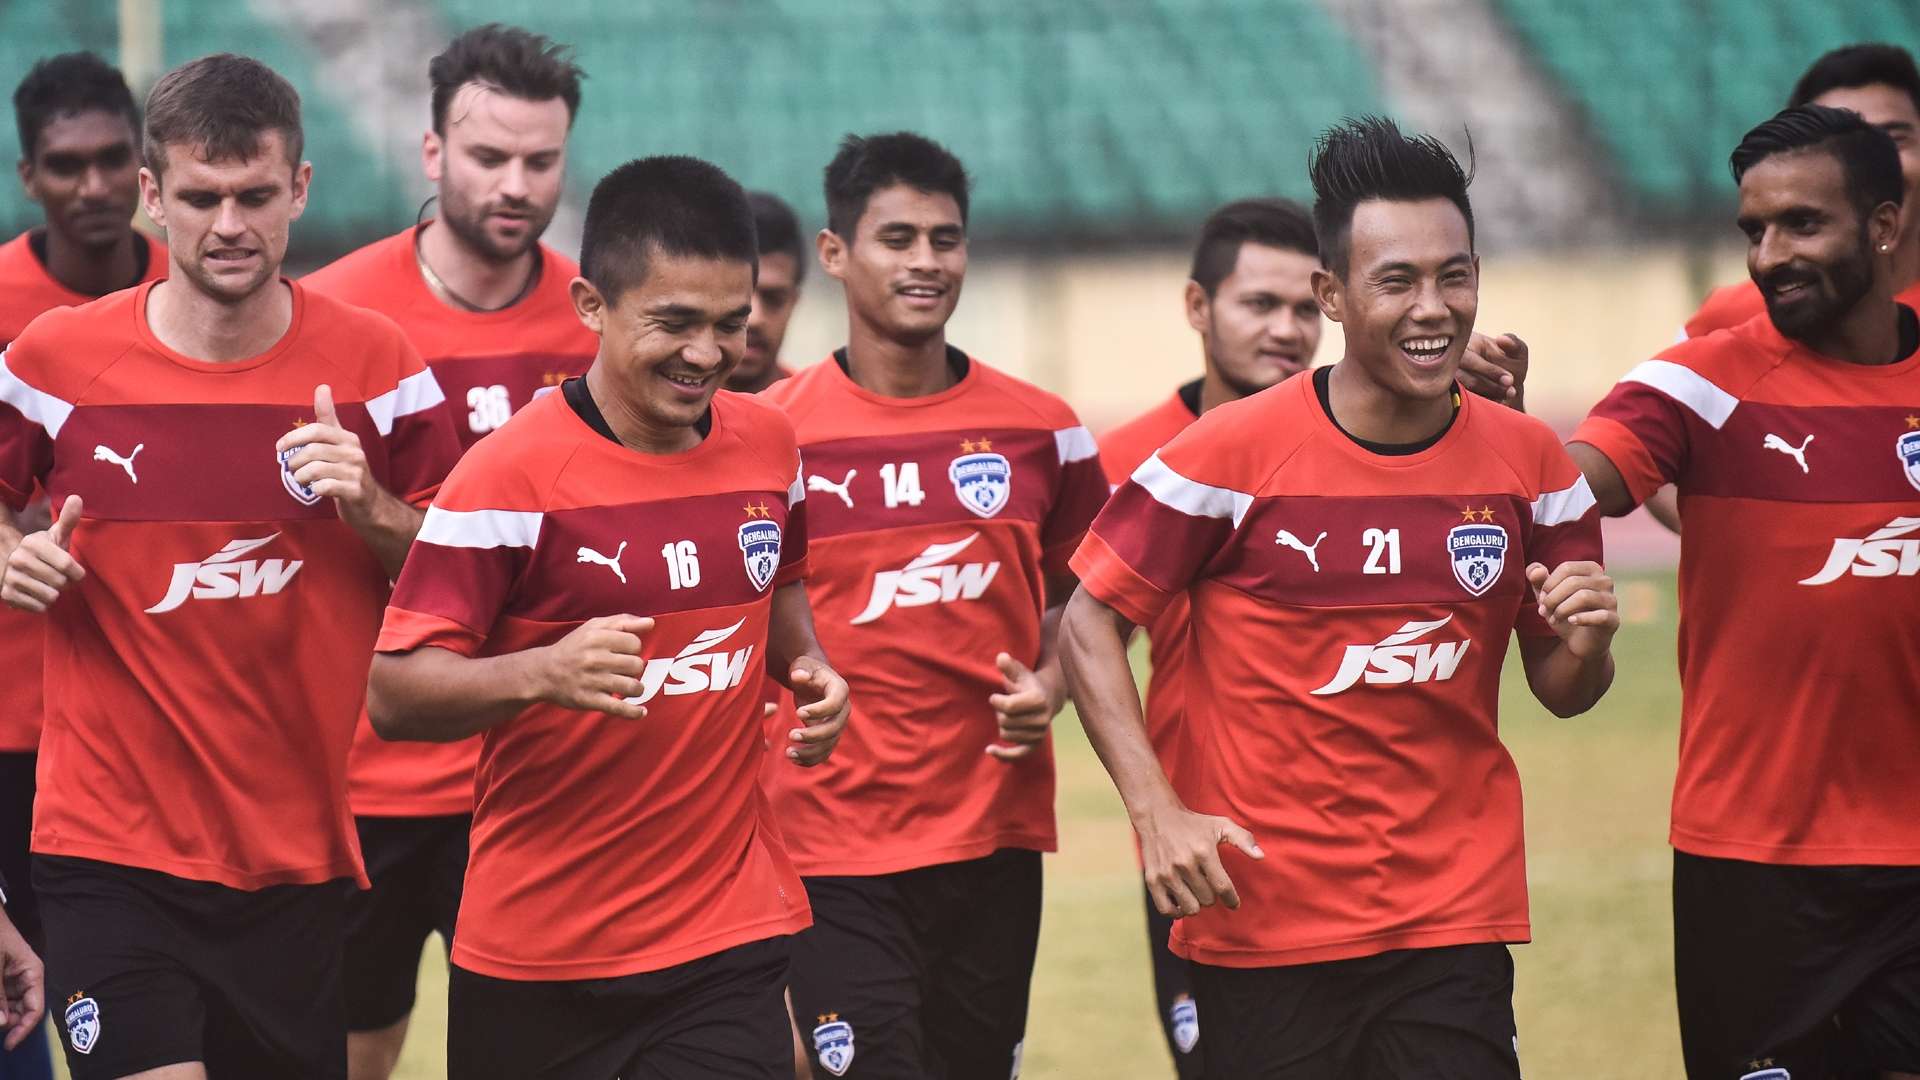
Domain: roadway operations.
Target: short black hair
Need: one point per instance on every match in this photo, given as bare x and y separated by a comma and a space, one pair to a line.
65, 85
1368, 157
519, 62
1865, 64
221, 105
1867, 155
670, 204
1276, 223
867, 163
778, 230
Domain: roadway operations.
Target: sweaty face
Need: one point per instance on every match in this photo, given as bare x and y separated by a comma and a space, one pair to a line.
668, 342
905, 263
774, 296
499, 166
227, 221
85, 175
1892, 111
1807, 248
1410, 294
1261, 325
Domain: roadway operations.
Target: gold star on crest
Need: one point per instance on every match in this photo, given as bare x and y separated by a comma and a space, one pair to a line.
1913, 423
77, 995
757, 510
1467, 513
969, 446
298, 424
1486, 513
553, 378
828, 1018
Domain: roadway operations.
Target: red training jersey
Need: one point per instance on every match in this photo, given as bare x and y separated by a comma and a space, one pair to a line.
604, 846
1730, 305
26, 290
935, 521
1123, 450
196, 723
1799, 482
488, 364
1350, 616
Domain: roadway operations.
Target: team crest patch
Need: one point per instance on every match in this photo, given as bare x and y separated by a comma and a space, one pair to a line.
1186, 1023
303, 494
833, 1044
760, 547
983, 480
1907, 446
1478, 554
83, 1023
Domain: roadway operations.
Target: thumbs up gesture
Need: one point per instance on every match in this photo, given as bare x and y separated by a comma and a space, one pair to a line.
39, 568
328, 459
1025, 710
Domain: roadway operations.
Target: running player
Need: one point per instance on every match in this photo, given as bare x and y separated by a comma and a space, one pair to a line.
79, 159
776, 292
1794, 440
628, 899
945, 498
222, 445
486, 305
1355, 547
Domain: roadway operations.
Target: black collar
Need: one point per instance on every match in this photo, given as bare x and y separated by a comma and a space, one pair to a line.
1322, 380
575, 391
1190, 395
957, 362
1909, 334
142, 254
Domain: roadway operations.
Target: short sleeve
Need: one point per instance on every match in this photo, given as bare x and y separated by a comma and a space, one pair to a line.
30, 420
1081, 493
461, 568
1564, 527
1644, 425
421, 444
793, 542
1154, 536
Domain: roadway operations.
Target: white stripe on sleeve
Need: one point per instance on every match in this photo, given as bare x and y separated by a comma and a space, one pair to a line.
1567, 504
1688, 387
36, 405
1075, 444
1190, 496
416, 393
481, 528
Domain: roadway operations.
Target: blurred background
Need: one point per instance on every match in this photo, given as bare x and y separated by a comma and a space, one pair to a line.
1099, 134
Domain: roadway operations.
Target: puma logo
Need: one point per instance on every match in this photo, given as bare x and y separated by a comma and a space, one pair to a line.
1797, 453
1288, 540
821, 483
104, 453
588, 555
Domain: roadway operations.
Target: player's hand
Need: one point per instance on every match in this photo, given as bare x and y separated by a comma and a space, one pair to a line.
39, 568
1180, 851
1495, 367
822, 696
1025, 710
23, 987
597, 667
328, 458
1577, 600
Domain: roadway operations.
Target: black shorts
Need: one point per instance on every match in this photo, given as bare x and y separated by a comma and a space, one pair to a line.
1810, 969
722, 1016
145, 969
16, 832
1173, 992
921, 973
1411, 1014
417, 866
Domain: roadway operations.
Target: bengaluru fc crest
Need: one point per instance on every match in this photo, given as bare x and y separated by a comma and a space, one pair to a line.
760, 546
305, 495
833, 1044
1907, 446
1478, 554
982, 479
83, 1023
1186, 1023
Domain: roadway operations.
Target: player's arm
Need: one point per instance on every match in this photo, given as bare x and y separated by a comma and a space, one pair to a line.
1610, 491
1570, 671
1180, 849
1496, 367
820, 692
1664, 507
1032, 697
329, 459
431, 694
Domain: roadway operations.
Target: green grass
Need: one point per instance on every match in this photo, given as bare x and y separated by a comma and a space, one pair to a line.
1595, 991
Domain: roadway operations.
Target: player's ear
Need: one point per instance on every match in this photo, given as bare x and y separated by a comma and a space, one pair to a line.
588, 305
150, 197
1199, 306
1883, 225
1327, 290
24, 167
432, 155
302, 180
833, 253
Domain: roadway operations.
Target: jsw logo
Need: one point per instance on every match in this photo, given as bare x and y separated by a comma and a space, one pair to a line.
929, 579
1395, 660
1882, 554
695, 669
224, 576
